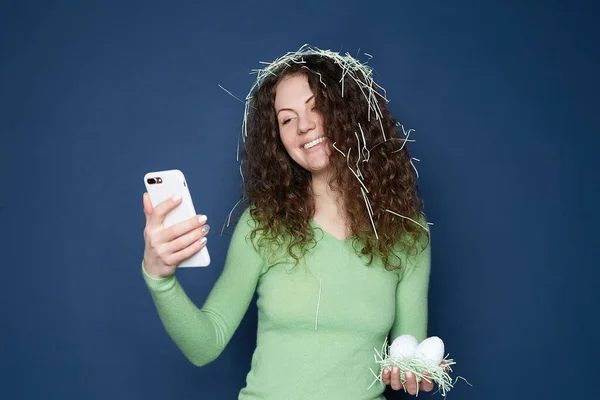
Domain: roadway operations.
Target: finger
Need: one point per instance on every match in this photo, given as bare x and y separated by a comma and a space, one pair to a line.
181, 228
187, 239
186, 253
158, 214
386, 376
396, 384
426, 384
411, 383
147, 205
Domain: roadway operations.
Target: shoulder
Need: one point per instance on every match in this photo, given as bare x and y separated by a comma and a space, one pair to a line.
244, 225
249, 236
246, 221
247, 232
242, 245
419, 236
414, 248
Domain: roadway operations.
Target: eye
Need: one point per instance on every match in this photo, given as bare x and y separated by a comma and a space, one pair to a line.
285, 121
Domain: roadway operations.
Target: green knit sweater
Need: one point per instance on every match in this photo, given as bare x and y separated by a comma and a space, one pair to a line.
318, 322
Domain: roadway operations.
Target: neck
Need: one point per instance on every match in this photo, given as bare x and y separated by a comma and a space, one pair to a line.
327, 201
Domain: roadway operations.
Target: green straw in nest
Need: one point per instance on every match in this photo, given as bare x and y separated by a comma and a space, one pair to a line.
422, 369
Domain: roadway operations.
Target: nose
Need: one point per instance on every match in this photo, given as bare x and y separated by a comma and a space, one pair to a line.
306, 122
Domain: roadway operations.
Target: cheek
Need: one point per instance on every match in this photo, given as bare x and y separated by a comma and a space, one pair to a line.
320, 120
287, 140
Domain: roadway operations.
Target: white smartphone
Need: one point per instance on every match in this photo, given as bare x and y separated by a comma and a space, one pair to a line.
162, 185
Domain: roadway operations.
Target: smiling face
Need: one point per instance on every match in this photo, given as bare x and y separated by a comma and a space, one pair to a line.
300, 124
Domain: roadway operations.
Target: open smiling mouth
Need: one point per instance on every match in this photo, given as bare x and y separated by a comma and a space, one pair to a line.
313, 143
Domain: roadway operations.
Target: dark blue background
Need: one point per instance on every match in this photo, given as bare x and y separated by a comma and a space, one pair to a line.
504, 100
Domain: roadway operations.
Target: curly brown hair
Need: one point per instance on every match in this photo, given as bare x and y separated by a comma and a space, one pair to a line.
278, 190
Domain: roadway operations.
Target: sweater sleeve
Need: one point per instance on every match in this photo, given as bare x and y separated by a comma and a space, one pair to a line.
202, 333
411, 297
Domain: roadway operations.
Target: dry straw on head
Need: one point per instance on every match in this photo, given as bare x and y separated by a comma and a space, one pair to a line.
359, 72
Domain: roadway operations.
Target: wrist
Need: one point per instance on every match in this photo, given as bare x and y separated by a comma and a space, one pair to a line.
152, 274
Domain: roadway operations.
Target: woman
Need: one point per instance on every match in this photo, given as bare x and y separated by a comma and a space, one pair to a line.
334, 239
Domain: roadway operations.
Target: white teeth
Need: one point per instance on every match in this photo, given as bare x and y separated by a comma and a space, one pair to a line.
313, 143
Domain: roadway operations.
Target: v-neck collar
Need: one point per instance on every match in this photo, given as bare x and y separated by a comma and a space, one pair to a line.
327, 234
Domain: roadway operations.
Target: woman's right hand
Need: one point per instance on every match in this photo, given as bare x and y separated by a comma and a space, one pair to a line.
165, 248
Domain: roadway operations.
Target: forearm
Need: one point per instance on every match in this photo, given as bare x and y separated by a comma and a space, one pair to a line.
202, 334
196, 332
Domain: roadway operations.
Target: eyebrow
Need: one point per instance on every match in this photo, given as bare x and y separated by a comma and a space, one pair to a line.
289, 109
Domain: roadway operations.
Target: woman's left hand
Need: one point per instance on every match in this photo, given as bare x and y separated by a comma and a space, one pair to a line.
409, 386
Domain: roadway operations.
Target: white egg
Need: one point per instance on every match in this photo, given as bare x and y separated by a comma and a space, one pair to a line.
431, 350
403, 346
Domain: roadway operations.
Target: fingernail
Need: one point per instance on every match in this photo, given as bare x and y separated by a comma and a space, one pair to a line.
409, 375
203, 240
202, 219
205, 228
395, 369
386, 371
176, 197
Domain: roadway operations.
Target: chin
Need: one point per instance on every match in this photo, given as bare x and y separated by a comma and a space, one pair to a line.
317, 164
319, 168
